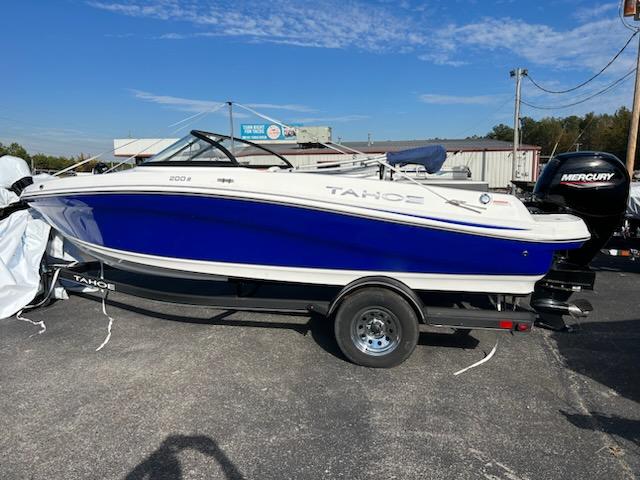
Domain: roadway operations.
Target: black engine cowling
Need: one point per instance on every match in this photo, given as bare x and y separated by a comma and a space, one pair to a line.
591, 185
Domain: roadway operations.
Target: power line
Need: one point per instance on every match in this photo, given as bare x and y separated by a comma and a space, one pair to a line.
604, 90
615, 57
582, 132
486, 117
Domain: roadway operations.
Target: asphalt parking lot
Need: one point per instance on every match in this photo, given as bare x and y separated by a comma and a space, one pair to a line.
190, 393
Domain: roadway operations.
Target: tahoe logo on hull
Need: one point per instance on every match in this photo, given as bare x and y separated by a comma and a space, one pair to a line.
586, 179
92, 282
365, 194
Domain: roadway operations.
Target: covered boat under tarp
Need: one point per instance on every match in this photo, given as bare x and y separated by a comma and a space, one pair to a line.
23, 240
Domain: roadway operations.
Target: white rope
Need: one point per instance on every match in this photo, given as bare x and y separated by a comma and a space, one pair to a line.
484, 360
204, 114
380, 160
272, 120
41, 324
355, 151
43, 327
104, 311
363, 162
95, 157
79, 164
284, 125
135, 154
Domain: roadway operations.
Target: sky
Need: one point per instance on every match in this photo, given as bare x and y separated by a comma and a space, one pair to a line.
77, 73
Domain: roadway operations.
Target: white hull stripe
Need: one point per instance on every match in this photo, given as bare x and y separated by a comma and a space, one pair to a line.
504, 284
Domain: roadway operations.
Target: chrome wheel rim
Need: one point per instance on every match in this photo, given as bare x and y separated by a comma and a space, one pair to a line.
376, 331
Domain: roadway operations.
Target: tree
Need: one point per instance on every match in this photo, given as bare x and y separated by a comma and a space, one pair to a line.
501, 132
42, 161
599, 132
14, 149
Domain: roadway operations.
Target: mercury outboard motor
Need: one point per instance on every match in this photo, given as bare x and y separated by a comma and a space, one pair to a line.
595, 187
591, 185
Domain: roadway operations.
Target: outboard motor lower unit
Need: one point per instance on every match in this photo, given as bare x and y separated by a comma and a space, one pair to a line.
591, 185
595, 187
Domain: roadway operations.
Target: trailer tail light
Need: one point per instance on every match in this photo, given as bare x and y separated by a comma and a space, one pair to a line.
523, 327
506, 324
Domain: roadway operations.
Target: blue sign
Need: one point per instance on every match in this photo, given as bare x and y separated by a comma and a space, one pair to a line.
267, 132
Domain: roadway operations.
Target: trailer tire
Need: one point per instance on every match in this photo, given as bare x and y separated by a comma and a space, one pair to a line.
377, 328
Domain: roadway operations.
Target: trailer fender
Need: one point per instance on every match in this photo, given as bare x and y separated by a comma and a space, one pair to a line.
388, 283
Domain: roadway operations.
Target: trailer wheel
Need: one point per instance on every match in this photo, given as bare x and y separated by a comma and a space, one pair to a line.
377, 328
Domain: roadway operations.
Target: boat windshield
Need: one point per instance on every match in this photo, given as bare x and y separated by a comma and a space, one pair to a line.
203, 148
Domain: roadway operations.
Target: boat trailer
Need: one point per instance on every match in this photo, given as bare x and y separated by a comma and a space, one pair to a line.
380, 303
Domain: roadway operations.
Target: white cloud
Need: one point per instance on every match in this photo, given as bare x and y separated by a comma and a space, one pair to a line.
385, 28
178, 103
585, 14
194, 105
118, 35
456, 100
587, 46
287, 106
361, 25
338, 119
441, 58
173, 36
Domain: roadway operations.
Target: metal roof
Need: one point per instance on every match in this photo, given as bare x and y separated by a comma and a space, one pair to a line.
148, 147
467, 144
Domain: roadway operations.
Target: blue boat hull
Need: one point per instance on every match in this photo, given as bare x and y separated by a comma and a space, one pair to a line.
240, 231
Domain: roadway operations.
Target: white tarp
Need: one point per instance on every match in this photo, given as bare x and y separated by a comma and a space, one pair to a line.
633, 209
23, 240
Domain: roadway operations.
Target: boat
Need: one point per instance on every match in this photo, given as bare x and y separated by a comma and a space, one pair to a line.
221, 207
631, 227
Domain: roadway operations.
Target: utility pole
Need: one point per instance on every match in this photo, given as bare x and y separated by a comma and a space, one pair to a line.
635, 118
233, 152
518, 73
